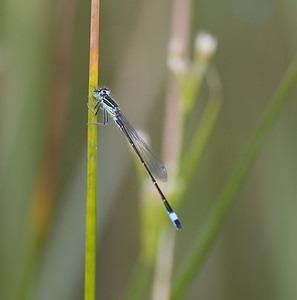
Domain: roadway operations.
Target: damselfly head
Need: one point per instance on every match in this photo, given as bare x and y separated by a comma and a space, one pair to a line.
101, 92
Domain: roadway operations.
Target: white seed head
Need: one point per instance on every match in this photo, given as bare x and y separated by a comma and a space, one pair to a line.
176, 56
177, 65
205, 44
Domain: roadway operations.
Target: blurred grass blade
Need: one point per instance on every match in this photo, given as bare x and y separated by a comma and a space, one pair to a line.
90, 258
200, 139
227, 195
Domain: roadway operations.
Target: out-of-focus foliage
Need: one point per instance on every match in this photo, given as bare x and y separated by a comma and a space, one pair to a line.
43, 92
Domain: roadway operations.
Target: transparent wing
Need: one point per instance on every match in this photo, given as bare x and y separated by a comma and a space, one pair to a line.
153, 163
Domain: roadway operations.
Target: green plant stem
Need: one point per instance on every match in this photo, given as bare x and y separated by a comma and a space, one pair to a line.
200, 139
90, 254
227, 195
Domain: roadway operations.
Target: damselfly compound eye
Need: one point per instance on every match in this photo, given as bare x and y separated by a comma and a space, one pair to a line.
101, 92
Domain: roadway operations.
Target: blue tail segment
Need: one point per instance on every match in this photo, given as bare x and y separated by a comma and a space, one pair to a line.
175, 220
172, 215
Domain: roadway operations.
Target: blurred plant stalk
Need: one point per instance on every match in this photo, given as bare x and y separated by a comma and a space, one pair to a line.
188, 75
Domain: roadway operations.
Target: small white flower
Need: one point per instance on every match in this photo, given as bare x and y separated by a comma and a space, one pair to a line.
176, 56
177, 64
205, 44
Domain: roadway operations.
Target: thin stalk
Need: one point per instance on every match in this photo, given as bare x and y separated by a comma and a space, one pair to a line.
90, 254
227, 195
200, 140
180, 30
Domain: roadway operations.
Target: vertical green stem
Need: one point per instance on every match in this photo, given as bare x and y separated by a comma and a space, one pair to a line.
90, 255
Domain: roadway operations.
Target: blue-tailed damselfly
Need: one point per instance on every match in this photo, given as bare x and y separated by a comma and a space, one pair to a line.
154, 167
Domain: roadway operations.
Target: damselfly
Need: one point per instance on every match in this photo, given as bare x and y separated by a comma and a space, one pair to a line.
149, 160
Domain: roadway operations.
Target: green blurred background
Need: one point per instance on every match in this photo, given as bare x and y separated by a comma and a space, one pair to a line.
43, 124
